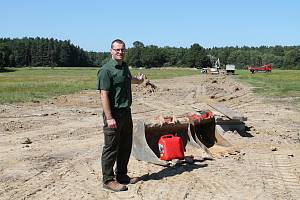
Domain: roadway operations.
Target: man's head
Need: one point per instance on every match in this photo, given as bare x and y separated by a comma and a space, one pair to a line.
117, 50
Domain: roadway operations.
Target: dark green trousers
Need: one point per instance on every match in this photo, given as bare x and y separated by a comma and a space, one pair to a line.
117, 144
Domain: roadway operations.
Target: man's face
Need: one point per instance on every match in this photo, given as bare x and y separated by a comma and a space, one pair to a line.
118, 51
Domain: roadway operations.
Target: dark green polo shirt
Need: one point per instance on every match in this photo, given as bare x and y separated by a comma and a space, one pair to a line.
116, 80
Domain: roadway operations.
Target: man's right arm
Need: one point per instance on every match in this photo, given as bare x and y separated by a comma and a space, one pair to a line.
106, 109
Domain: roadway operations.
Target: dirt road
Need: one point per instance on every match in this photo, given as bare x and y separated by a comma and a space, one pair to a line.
51, 149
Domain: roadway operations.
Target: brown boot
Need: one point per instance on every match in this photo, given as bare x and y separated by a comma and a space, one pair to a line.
114, 186
125, 179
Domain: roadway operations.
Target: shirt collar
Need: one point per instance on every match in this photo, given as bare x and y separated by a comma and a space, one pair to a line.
115, 63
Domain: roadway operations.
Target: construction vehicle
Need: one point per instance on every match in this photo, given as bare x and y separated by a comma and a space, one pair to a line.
197, 131
203, 70
264, 68
215, 69
212, 70
230, 69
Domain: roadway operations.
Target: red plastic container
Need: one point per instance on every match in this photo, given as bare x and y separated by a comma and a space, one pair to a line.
170, 147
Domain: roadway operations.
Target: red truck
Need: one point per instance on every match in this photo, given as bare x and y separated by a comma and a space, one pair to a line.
265, 68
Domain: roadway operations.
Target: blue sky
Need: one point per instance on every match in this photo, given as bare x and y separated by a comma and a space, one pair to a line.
93, 24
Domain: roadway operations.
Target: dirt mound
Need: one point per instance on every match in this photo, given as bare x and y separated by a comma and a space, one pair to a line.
145, 88
218, 87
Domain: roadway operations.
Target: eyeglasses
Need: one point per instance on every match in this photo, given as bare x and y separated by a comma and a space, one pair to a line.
119, 50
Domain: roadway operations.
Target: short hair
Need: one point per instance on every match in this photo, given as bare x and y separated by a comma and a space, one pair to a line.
117, 41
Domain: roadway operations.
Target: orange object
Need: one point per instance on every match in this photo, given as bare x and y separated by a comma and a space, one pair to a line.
197, 118
170, 147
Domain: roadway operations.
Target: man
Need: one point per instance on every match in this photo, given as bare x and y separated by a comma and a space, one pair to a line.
114, 83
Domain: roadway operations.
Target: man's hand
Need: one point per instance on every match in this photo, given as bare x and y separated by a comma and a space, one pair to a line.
111, 123
140, 78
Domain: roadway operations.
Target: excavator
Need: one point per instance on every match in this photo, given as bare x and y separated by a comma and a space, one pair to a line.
197, 131
214, 69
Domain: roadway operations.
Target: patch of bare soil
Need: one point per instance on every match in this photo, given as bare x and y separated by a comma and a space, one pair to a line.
145, 88
51, 149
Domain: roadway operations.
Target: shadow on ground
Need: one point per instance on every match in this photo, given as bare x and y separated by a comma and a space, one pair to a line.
172, 171
246, 133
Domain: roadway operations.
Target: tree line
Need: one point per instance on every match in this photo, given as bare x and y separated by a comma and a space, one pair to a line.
41, 52
51, 52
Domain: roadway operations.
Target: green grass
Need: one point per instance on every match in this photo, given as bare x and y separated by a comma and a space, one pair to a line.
30, 84
278, 83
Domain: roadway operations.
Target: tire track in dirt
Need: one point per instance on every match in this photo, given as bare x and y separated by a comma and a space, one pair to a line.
272, 173
288, 171
260, 174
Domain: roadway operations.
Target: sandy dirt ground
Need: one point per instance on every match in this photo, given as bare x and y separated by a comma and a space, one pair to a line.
51, 149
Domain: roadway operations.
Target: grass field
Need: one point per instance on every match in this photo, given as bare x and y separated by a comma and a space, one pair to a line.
278, 83
29, 84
